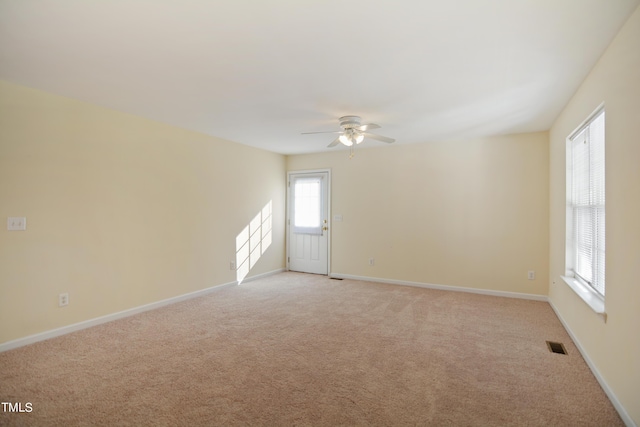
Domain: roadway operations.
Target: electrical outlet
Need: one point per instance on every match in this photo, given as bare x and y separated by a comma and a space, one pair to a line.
531, 275
63, 299
372, 261
232, 265
17, 223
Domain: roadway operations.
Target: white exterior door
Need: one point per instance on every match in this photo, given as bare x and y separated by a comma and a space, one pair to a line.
307, 223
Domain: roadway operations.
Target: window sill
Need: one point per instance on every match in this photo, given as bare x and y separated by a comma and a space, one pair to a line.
592, 299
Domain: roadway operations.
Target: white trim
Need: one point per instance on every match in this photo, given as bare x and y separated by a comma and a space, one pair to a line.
610, 394
586, 294
261, 276
20, 342
288, 211
586, 121
443, 287
590, 297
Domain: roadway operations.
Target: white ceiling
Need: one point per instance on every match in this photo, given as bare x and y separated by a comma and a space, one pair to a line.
260, 72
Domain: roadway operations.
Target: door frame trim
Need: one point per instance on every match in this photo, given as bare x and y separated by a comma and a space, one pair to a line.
287, 221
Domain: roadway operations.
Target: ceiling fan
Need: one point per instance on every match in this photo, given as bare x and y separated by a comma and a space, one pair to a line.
353, 132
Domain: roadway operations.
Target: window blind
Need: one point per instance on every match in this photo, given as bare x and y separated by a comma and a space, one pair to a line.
587, 201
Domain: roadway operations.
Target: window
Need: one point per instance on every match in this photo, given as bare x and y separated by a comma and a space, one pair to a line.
585, 257
307, 206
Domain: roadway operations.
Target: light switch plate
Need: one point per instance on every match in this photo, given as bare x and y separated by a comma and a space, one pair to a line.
16, 223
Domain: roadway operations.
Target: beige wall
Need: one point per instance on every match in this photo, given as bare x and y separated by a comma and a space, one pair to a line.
614, 346
468, 213
121, 211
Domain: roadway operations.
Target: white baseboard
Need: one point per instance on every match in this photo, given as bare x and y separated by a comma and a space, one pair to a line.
20, 342
610, 394
260, 276
443, 287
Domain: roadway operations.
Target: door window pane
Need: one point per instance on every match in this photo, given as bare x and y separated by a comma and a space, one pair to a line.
307, 202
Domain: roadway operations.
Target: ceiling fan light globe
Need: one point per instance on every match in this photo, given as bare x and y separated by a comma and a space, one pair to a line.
359, 138
346, 140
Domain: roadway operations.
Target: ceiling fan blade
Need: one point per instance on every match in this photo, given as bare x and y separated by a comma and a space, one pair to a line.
335, 142
378, 137
329, 131
368, 126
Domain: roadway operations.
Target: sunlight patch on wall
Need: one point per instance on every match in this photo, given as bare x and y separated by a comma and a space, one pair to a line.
253, 241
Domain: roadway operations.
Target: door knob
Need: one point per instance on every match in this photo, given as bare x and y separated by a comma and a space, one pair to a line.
325, 228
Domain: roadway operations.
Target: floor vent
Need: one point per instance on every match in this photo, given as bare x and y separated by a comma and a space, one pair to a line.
336, 278
556, 347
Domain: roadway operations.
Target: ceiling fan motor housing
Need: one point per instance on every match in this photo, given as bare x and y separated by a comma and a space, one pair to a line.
348, 122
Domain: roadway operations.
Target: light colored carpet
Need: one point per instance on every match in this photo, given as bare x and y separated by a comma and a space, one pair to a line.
297, 349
